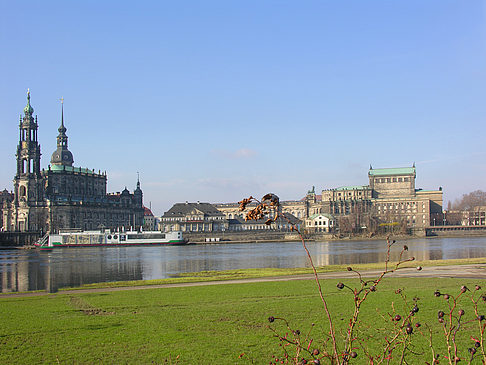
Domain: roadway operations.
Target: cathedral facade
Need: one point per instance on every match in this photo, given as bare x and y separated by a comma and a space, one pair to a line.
63, 196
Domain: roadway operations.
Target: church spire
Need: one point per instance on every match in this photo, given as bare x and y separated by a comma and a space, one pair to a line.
28, 110
62, 156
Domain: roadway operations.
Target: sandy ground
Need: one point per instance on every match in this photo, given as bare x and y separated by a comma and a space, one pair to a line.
475, 271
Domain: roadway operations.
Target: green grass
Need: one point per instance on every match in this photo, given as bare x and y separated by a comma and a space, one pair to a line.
211, 324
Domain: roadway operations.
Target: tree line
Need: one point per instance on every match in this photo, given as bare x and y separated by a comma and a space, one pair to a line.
469, 201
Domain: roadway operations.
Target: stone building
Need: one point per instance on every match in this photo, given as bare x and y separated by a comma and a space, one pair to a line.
193, 217
63, 196
320, 222
149, 220
347, 199
472, 217
6, 198
390, 198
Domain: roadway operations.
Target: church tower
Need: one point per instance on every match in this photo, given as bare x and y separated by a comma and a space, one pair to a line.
28, 181
62, 156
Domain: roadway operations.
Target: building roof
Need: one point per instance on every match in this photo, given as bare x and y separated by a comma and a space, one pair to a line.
57, 168
392, 171
355, 187
182, 209
147, 212
328, 216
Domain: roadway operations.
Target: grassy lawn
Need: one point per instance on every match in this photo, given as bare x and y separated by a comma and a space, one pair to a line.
206, 325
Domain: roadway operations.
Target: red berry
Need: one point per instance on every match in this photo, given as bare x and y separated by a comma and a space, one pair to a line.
340, 285
397, 317
461, 312
353, 354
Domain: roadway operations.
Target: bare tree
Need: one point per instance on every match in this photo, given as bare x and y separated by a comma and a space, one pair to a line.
470, 201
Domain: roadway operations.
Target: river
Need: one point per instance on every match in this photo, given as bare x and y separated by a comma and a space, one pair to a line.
22, 270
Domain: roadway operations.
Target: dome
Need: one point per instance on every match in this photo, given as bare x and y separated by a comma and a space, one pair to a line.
62, 156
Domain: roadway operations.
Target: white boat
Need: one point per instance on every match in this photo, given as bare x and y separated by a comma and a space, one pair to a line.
108, 239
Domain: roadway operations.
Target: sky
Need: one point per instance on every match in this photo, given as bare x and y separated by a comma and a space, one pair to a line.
214, 101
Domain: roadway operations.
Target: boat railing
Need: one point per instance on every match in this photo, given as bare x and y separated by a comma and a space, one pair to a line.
43, 241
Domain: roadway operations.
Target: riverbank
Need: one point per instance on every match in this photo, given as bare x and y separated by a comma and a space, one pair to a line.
456, 268
19, 240
214, 324
273, 236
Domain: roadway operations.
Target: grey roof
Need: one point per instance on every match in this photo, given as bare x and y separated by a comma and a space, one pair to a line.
292, 218
182, 209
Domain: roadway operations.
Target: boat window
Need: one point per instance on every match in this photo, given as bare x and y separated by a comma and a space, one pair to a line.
146, 236
109, 237
115, 237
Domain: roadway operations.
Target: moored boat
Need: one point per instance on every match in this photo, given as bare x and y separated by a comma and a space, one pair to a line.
108, 239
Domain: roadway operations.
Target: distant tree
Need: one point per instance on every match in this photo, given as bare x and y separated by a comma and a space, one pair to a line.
345, 224
470, 201
454, 218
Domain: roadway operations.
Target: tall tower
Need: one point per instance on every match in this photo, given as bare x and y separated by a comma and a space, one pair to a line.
28, 181
62, 156
138, 200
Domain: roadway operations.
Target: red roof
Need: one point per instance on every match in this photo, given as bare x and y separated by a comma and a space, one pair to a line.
147, 211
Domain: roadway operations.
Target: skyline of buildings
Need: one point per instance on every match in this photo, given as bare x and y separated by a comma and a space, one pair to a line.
222, 100
65, 196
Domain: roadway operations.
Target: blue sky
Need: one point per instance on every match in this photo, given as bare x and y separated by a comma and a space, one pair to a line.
217, 100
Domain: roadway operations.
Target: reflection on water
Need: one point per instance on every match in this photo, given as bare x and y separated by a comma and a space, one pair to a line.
22, 270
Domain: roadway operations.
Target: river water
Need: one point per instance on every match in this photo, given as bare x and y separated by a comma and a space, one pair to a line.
22, 270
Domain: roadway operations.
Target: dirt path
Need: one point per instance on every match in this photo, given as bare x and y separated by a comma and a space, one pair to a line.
475, 271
